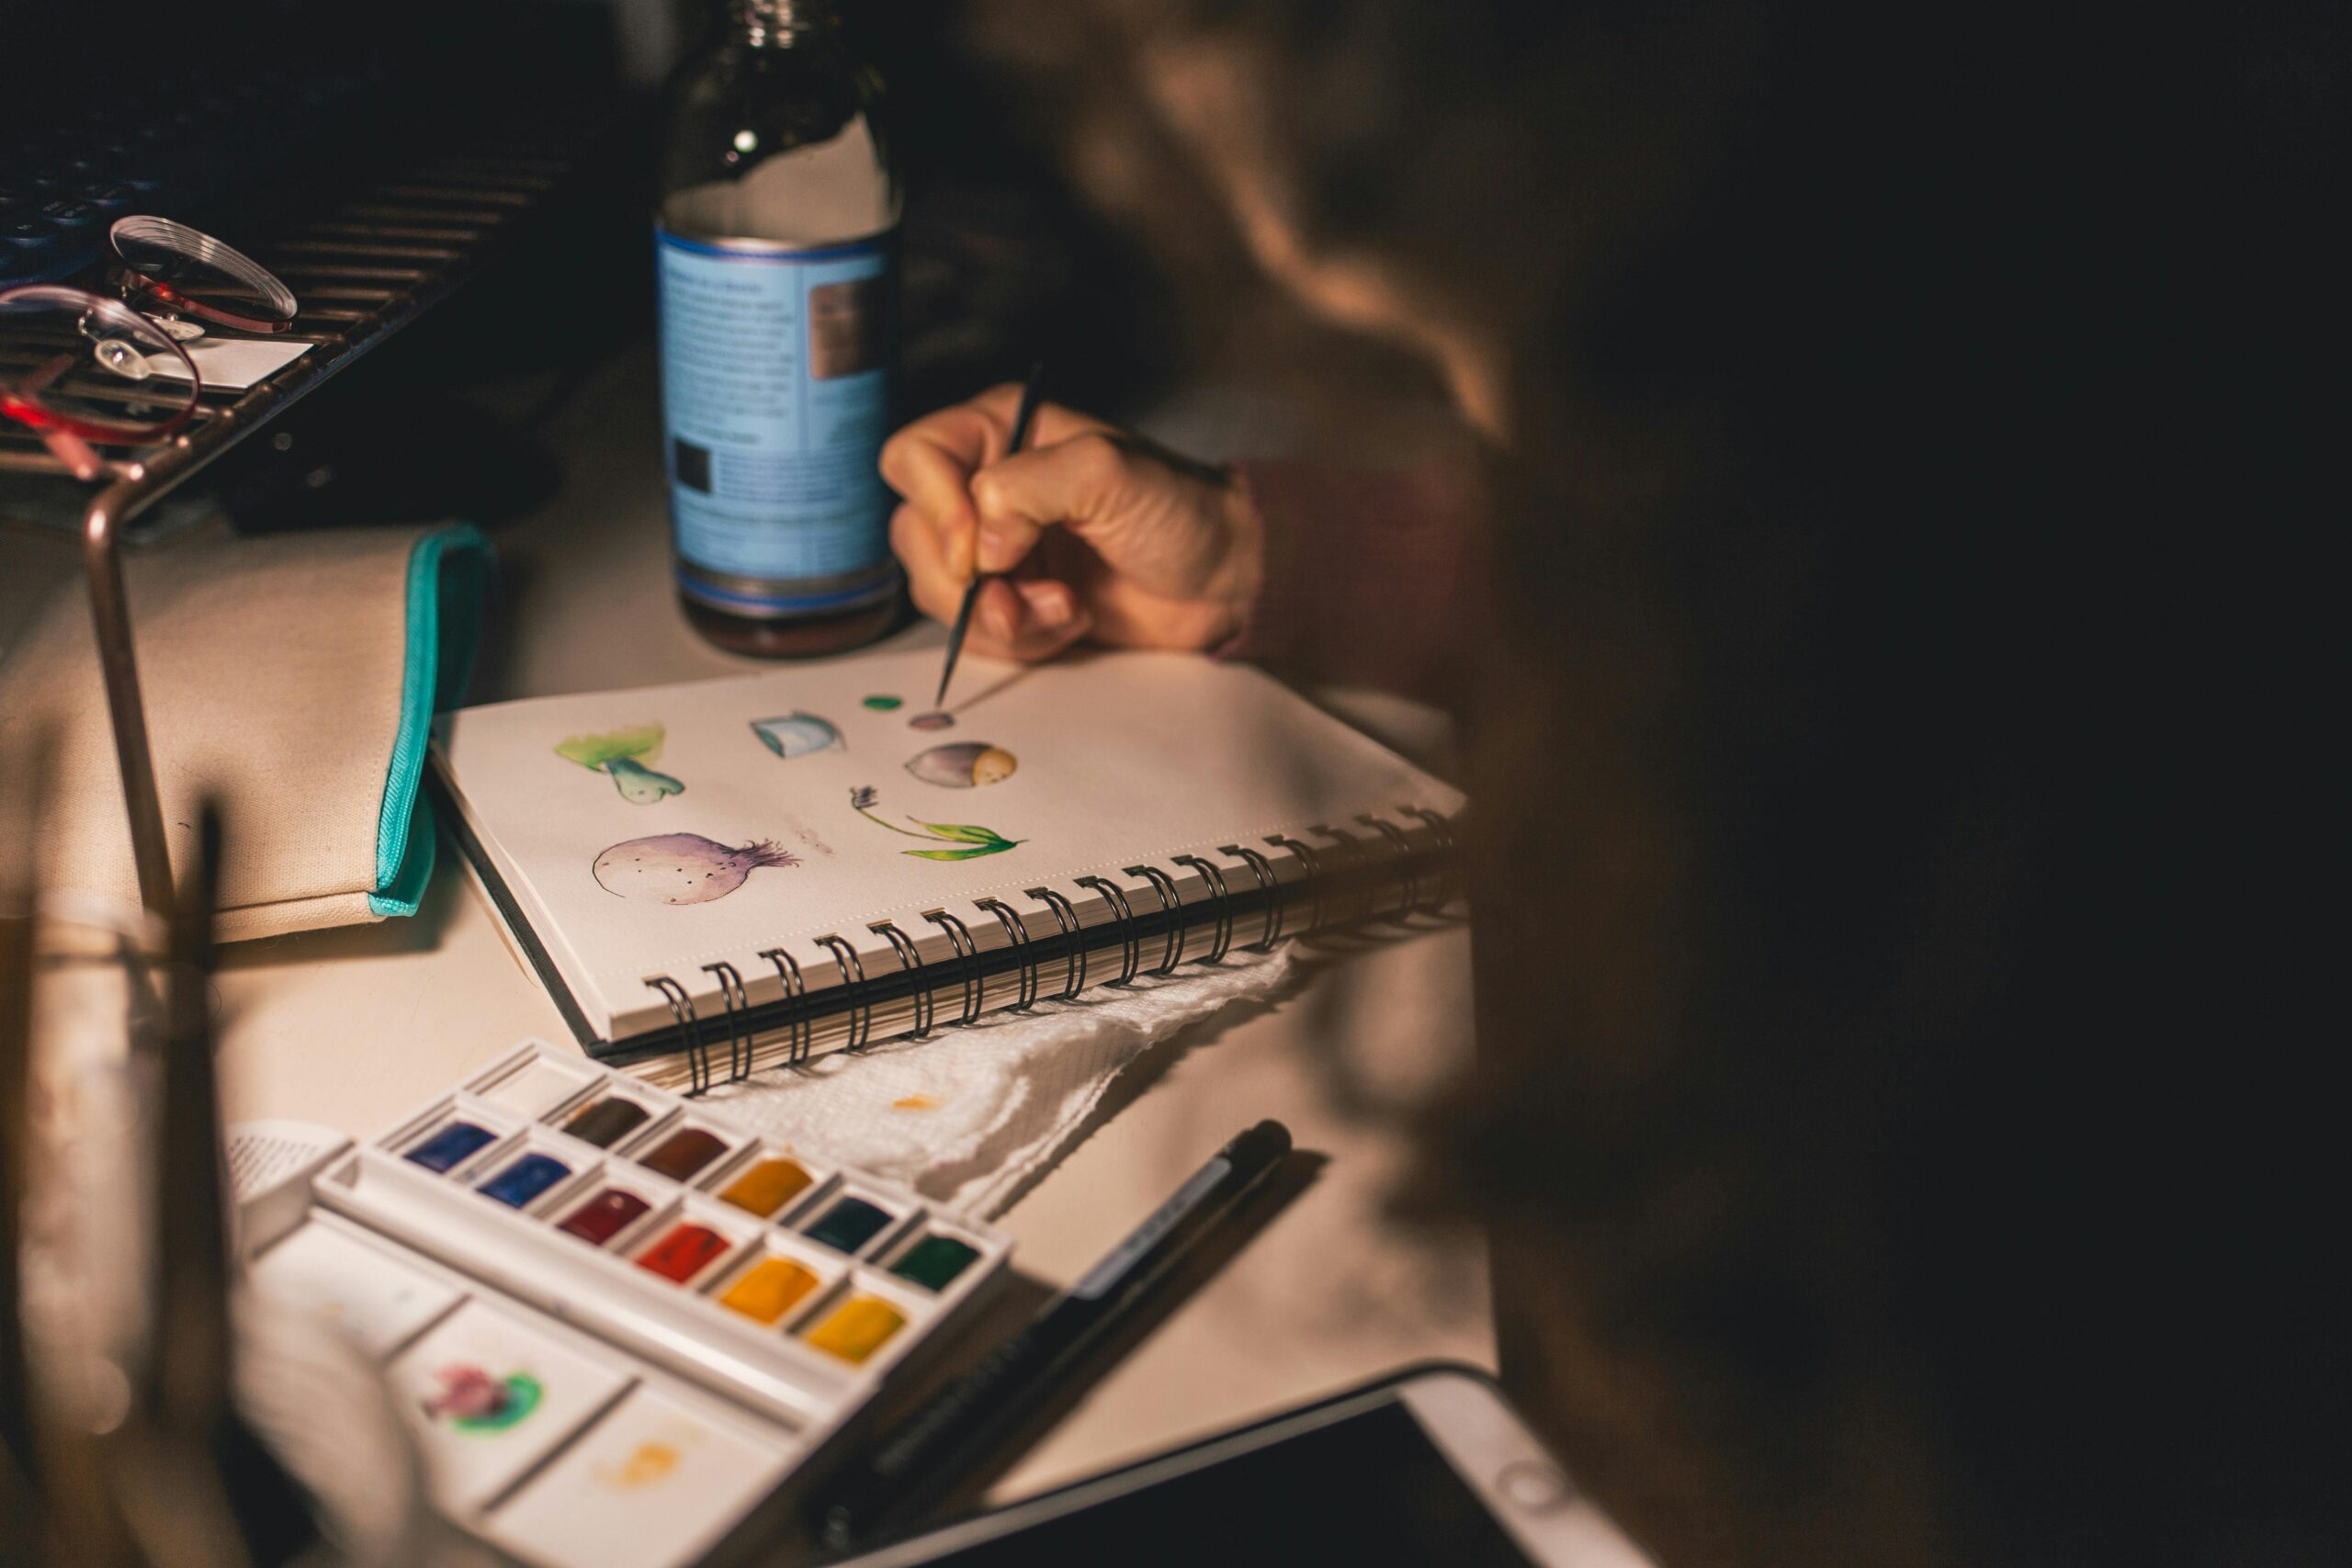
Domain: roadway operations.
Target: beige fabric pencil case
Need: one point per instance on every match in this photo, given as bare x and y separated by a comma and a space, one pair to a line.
294, 679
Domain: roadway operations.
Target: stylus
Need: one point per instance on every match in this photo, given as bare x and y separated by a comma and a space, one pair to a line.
961, 1425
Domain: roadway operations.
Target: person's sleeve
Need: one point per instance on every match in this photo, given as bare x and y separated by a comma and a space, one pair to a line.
1365, 577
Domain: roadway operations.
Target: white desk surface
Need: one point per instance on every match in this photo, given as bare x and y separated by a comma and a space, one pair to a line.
351, 1027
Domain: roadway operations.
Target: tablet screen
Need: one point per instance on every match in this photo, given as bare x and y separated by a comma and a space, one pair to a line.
1367, 1488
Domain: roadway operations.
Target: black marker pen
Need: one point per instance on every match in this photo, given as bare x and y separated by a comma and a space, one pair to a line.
960, 1427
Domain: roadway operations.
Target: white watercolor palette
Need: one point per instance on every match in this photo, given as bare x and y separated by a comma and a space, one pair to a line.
616, 1321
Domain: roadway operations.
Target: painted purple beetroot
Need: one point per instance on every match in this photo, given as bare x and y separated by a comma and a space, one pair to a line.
682, 868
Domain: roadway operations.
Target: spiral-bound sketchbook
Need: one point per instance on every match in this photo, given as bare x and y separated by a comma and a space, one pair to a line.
717, 876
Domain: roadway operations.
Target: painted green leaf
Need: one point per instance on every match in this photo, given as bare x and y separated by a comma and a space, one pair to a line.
960, 831
998, 847
595, 751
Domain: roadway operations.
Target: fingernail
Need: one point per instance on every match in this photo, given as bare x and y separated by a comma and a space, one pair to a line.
959, 555
997, 547
996, 616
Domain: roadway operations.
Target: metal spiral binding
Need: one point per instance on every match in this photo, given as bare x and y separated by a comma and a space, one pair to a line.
967, 960
1130, 944
861, 1015
1268, 884
1442, 829
739, 1009
1442, 886
800, 1036
1170, 905
1307, 857
1072, 929
1221, 940
912, 962
682, 1007
1410, 899
1018, 934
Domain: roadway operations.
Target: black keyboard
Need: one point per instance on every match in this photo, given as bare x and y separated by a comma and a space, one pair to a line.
62, 183
188, 113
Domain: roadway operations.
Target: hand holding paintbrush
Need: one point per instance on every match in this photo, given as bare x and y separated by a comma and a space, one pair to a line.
1078, 530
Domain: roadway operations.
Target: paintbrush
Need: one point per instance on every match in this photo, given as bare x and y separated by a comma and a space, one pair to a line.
1021, 419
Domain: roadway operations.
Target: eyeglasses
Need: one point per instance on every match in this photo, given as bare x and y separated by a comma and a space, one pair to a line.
79, 368
169, 268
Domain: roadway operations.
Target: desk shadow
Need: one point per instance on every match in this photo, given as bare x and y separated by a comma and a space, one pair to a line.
1073, 659
492, 676
1012, 677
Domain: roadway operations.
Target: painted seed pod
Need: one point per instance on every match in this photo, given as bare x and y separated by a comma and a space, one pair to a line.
964, 765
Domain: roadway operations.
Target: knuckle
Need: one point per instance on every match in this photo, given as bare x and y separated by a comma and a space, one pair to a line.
989, 493
903, 449
1098, 457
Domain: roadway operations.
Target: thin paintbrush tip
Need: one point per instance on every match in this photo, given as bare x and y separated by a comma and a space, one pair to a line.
1022, 417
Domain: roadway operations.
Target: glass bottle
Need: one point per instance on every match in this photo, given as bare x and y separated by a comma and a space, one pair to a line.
776, 245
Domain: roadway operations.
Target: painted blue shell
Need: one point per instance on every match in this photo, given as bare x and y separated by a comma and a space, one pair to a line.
795, 734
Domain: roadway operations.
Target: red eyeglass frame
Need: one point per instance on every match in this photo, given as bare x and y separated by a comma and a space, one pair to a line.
68, 436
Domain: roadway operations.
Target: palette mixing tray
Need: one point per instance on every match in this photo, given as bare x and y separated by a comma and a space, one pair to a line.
615, 1320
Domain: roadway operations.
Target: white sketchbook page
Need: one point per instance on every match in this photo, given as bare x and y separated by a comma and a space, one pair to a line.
1120, 759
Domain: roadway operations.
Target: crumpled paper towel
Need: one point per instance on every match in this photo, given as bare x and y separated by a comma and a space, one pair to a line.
969, 1116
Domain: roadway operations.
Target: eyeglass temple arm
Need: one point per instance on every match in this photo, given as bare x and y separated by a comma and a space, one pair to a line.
74, 453
63, 445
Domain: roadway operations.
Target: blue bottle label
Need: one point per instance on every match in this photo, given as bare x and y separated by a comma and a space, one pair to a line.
776, 368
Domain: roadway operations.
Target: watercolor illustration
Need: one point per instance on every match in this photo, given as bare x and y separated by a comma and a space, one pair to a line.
624, 755
969, 842
472, 1401
684, 868
882, 702
965, 765
936, 719
798, 734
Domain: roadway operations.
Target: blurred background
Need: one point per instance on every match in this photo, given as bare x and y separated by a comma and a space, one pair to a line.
269, 113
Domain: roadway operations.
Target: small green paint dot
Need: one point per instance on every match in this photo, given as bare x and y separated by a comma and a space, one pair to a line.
883, 703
